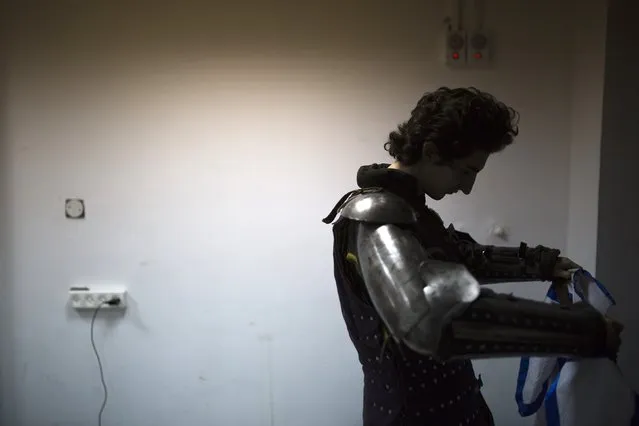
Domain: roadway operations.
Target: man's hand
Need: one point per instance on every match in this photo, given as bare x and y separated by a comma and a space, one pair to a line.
561, 287
613, 337
564, 268
613, 328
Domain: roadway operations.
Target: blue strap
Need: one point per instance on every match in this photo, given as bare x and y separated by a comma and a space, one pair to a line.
601, 287
526, 410
552, 405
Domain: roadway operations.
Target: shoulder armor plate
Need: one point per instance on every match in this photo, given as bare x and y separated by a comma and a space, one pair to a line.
379, 207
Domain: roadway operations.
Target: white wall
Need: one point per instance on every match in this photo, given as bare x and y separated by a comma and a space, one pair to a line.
208, 144
589, 41
6, 328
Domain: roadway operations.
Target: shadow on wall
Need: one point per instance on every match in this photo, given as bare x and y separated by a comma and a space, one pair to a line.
618, 230
173, 30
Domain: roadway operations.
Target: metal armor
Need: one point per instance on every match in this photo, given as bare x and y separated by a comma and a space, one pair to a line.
438, 308
490, 264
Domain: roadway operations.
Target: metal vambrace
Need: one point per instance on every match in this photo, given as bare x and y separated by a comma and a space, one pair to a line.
497, 325
439, 309
492, 264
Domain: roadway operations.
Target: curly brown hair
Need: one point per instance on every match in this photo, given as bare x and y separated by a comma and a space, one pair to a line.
458, 122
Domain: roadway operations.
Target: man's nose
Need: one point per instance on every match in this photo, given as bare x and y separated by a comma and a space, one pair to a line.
468, 184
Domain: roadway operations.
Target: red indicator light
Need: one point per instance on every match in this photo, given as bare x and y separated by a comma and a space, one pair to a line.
455, 55
478, 55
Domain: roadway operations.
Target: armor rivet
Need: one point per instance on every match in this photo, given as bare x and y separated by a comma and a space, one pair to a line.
424, 371
372, 381
432, 410
458, 398
417, 414
442, 406
381, 408
362, 317
444, 375
372, 318
390, 411
375, 336
374, 404
410, 388
413, 375
423, 385
435, 381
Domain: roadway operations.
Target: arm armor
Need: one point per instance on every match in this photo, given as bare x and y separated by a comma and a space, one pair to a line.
490, 264
438, 308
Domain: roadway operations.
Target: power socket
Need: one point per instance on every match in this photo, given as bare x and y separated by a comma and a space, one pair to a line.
94, 297
479, 44
456, 48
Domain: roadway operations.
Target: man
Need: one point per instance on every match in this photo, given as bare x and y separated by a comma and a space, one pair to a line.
410, 289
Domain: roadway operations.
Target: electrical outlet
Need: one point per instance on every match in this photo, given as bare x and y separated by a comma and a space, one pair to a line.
94, 297
478, 49
456, 48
